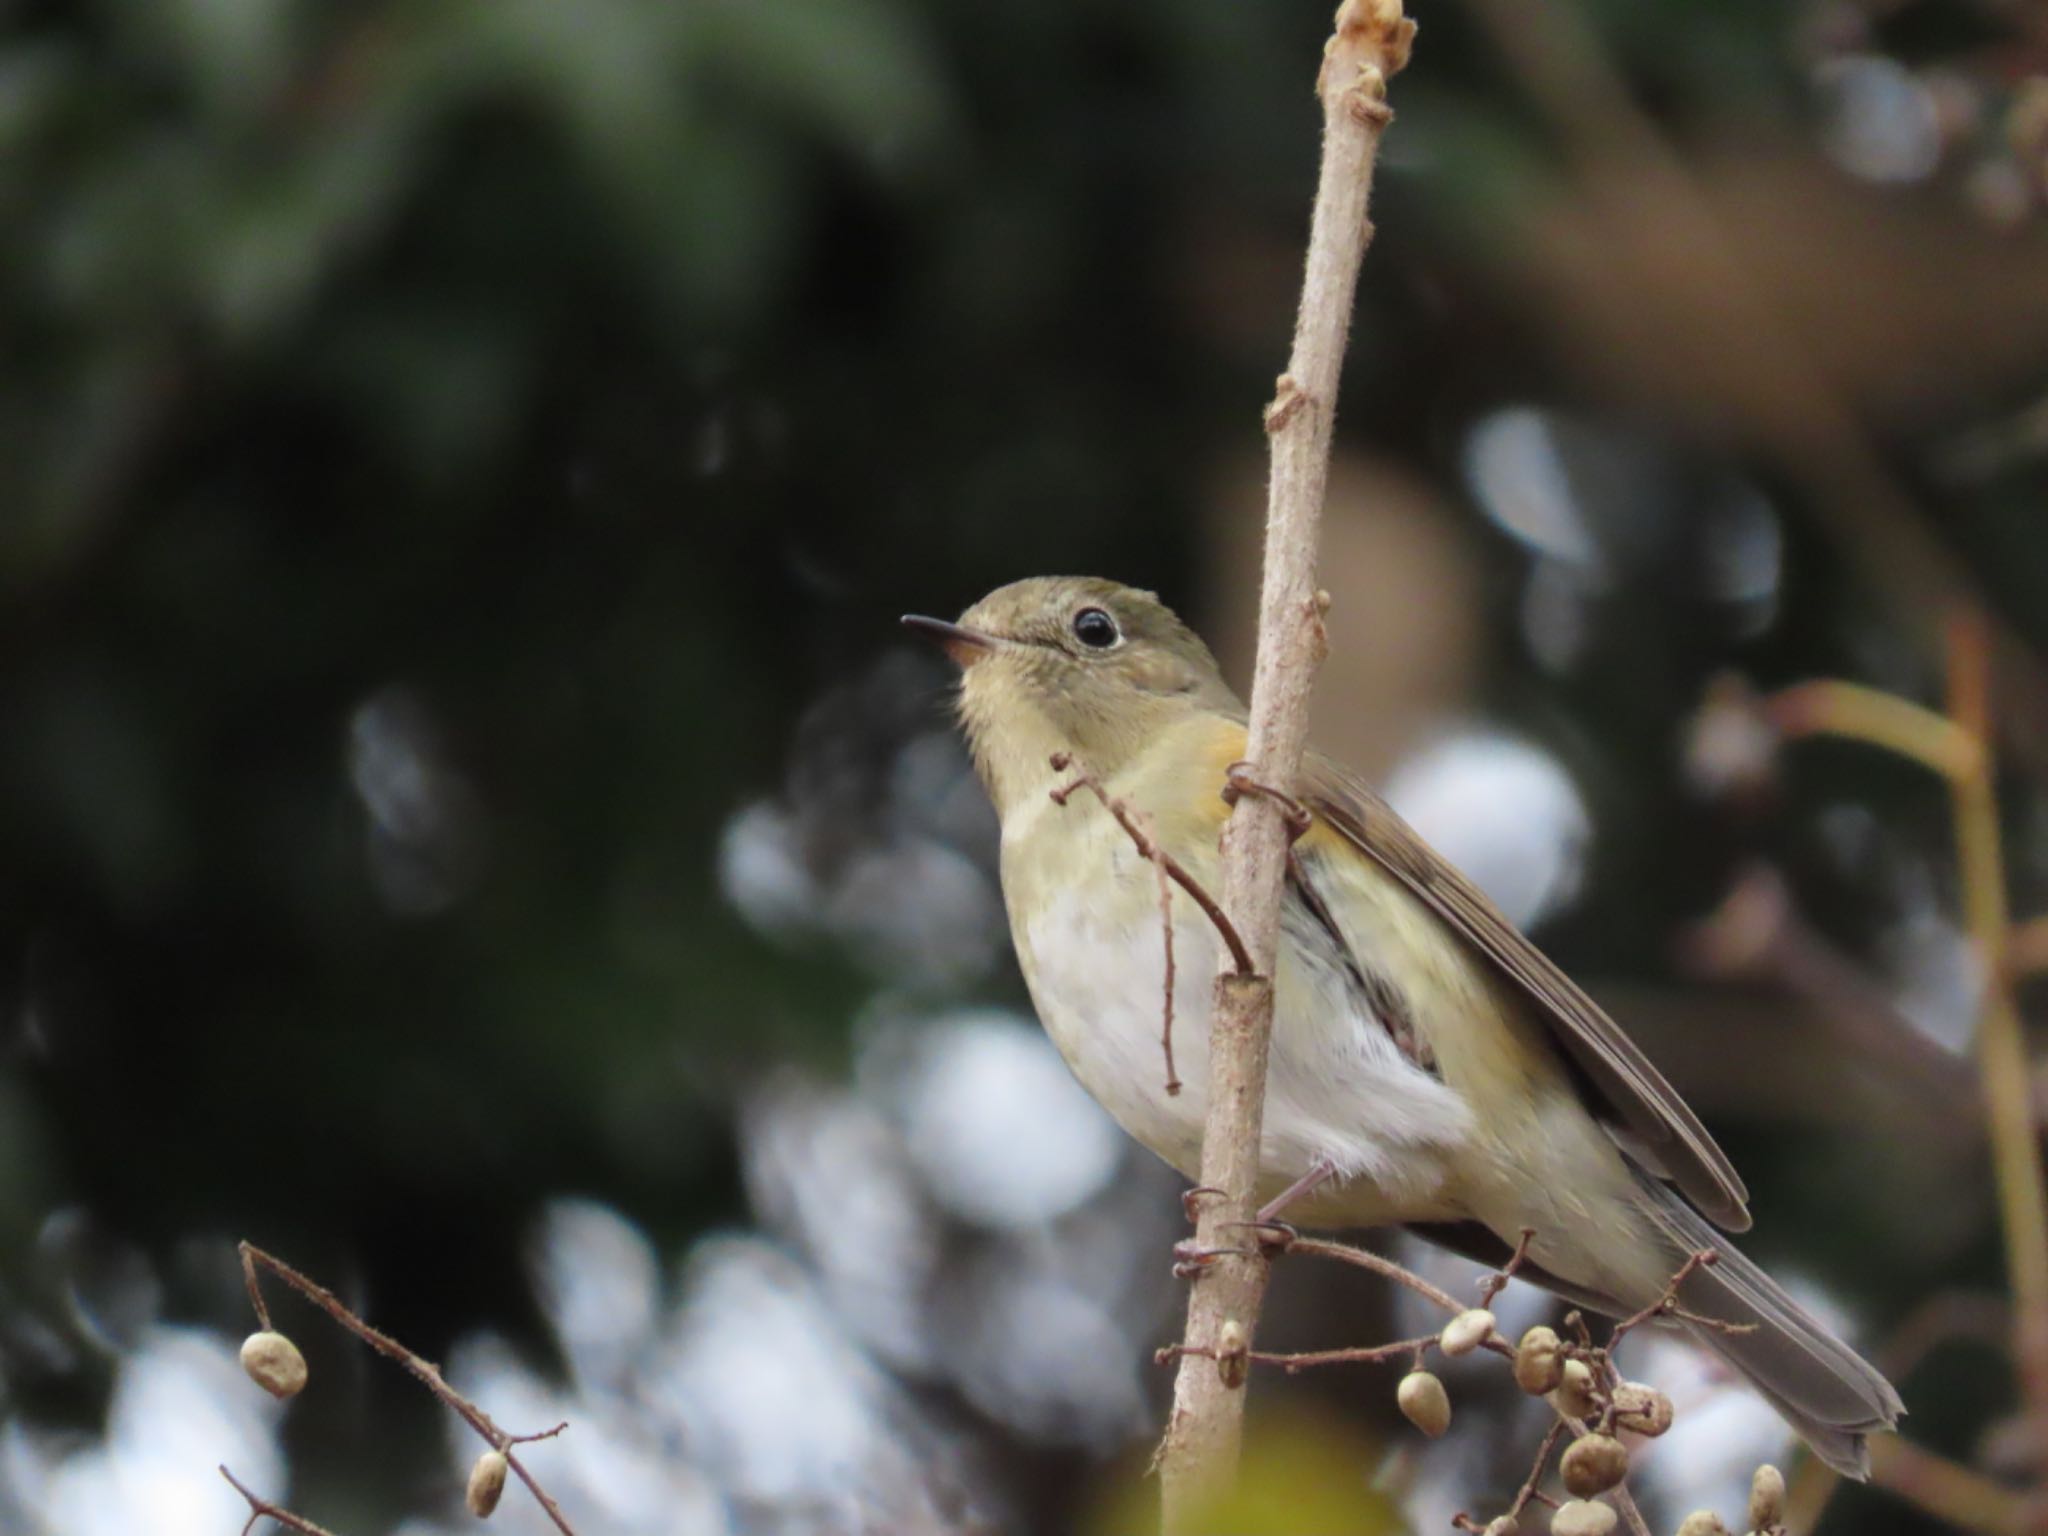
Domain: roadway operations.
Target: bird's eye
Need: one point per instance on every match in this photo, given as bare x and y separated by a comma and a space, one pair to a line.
1095, 629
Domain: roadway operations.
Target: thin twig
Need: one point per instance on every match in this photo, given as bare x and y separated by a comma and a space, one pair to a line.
1534, 1481
424, 1371
1624, 1504
1952, 1493
1623, 1501
1495, 1283
1827, 707
1292, 1363
1198, 1457
1165, 867
1160, 878
2001, 1040
261, 1508
1240, 957
1387, 1269
1667, 1304
1532, 1485
1958, 1495
1597, 1357
1363, 1258
1943, 1318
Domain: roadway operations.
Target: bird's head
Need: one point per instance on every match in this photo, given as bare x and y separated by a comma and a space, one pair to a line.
1075, 664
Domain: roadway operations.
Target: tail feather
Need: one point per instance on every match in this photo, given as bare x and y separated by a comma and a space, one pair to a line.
1830, 1394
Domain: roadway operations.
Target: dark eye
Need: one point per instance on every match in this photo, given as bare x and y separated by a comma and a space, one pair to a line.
1095, 629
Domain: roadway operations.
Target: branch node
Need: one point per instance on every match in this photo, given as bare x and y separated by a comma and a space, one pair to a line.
1318, 632
261, 1508
1288, 399
1370, 34
1233, 1354
1366, 100
1492, 1285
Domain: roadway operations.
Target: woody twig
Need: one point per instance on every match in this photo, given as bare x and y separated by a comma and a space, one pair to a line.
261, 1508
1576, 1375
275, 1363
1198, 1456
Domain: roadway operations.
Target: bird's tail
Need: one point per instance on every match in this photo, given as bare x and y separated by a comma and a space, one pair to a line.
1830, 1394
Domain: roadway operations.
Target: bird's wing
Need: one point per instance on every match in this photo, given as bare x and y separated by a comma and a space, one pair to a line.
1673, 1142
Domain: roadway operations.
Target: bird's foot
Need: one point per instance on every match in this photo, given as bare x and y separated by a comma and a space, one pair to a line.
1191, 1200
1191, 1258
1320, 1172
1274, 1236
1238, 781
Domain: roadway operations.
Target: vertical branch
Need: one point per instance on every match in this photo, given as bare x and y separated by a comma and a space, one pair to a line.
2001, 1041
1199, 1455
1961, 747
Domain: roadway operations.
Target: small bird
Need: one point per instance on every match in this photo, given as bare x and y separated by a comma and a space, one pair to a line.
1430, 1067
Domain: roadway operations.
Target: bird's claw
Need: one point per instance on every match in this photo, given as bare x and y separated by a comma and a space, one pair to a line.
1274, 1236
1191, 1200
1191, 1258
1238, 781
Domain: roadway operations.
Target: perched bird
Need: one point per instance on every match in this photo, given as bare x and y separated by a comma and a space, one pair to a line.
1430, 1067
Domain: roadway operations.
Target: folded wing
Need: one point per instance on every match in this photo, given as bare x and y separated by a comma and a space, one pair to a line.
1664, 1136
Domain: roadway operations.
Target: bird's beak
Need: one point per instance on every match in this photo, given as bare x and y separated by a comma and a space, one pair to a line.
966, 646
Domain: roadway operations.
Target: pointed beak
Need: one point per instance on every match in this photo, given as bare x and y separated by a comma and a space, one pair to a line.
966, 646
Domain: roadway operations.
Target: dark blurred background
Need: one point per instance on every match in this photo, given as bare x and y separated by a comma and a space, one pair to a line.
471, 824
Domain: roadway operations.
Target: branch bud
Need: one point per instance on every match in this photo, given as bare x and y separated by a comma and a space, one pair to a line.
1503, 1525
1539, 1361
1233, 1353
486, 1483
1766, 1498
1593, 1464
1425, 1402
274, 1363
1702, 1522
1580, 1517
1466, 1332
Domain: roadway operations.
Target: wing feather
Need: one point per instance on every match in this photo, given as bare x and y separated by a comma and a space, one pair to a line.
1674, 1144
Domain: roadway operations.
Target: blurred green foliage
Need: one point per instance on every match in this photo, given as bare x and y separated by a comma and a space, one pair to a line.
580, 373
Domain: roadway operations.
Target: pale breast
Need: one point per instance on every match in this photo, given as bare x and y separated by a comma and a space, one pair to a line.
1339, 1088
